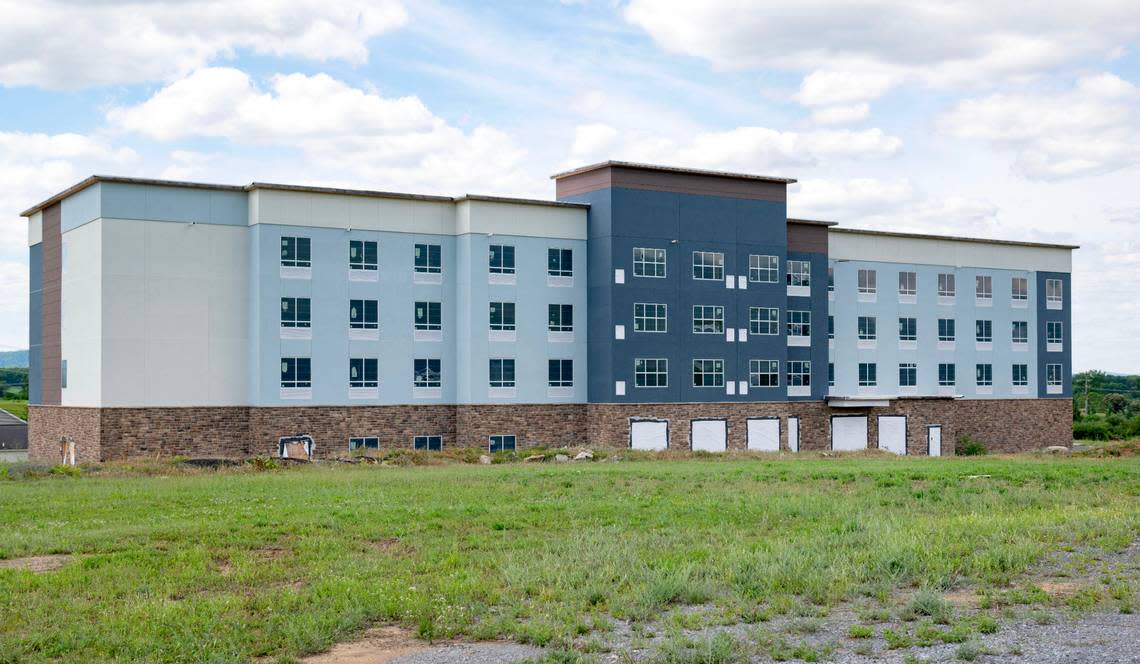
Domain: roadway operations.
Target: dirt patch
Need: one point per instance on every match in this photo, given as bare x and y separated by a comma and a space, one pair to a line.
963, 598
1058, 588
225, 567
377, 646
270, 552
37, 563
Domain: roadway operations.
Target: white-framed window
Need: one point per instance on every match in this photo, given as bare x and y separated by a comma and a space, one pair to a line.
296, 252
764, 373
830, 327
984, 375
502, 316
708, 373
1019, 289
296, 312
1053, 375
1054, 332
502, 372
799, 323
649, 262
984, 331
363, 372
1054, 292
763, 269
868, 374
500, 443
984, 287
429, 443
799, 273
363, 443
651, 372
868, 281
908, 329
799, 373
363, 255
946, 284
561, 317
708, 319
650, 317
1020, 375
908, 283
763, 320
867, 325
429, 316
560, 373
946, 329
831, 374
426, 372
429, 258
560, 262
908, 374
296, 372
946, 374
501, 259
708, 265
363, 315
1020, 333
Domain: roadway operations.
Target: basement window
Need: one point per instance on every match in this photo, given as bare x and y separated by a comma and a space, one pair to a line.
430, 443
363, 443
501, 443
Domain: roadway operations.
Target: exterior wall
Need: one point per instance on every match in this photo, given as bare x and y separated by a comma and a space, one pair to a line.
562, 425
48, 425
51, 308
81, 317
1065, 316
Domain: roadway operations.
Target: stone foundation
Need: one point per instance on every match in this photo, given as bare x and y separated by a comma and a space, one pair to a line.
102, 434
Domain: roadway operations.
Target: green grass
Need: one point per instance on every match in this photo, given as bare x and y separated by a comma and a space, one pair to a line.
223, 566
17, 408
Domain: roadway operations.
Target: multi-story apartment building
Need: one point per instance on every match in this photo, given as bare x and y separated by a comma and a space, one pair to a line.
646, 307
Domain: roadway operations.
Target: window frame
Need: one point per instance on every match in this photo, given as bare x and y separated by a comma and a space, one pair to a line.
361, 443
983, 287
1024, 327
947, 374
424, 443
702, 267
659, 370
1054, 291
803, 325
798, 273
708, 313
1023, 296
557, 371
908, 374
770, 369
910, 288
1050, 379
505, 255
368, 370
868, 281
296, 251
984, 374
756, 270
984, 330
559, 262
868, 374
363, 264
502, 441
1058, 325
947, 325
908, 328
947, 284
427, 265
708, 367
648, 259
756, 320
867, 328
432, 372
296, 322
564, 312
798, 373
301, 371
506, 316
659, 317
363, 322
1023, 380
501, 372
430, 312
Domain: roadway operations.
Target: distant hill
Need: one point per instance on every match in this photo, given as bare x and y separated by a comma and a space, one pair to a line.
13, 358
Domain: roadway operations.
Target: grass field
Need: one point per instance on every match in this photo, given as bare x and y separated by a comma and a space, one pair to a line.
231, 565
17, 408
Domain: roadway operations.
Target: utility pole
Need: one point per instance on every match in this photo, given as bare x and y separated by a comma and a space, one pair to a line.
1086, 396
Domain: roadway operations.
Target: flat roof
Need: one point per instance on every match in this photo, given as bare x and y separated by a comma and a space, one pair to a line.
812, 222
670, 169
955, 238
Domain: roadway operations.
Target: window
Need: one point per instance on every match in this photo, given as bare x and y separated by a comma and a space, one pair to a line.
295, 312
428, 316
799, 323
501, 259
799, 273
560, 373
831, 374
763, 320
708, 265
868, 374
908, 329
868, 282
651, 372
1053, 376
561, 317
1054, 331
62, 374
908, 283
363, 315
1020, 375
430, 443
429, 258
1019, 289
799, 373
502, 316
830, 280
650, 317
867, 328
708, 319
1054, 291
763, 269
1020, 332
708, 373
364, 443
649, 262
502, 372
500, 444
296, 372
560, 262
984, 287
946, 284
296, 252
946, 329
946, 374
830, 327
984, 375
426, 373
984, 331
362, 372
362, 255
764, 373
908, 374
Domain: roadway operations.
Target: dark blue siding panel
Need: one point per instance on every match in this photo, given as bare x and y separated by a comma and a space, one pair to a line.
1065, 315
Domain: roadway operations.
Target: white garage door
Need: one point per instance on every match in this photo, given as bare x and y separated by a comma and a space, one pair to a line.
848, 433
892, 433
649, 435
764, 434
710, 435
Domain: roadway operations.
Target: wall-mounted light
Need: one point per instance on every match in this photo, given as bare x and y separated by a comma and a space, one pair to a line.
672, 242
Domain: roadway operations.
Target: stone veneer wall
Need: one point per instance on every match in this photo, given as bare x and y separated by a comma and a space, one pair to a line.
1003, 425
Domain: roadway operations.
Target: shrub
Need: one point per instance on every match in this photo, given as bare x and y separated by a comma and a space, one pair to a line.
860, 631
66, 471
969, 447
1091, 430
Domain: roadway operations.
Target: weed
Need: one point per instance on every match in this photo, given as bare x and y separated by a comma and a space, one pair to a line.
971, 650
896, 640
985, 624
860, 631
969, 447
928, 603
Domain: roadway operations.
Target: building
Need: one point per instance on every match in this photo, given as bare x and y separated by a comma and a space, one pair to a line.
646, 306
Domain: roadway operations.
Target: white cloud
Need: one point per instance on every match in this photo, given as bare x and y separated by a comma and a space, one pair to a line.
833, 88
835, 115
72, 44
1093, 128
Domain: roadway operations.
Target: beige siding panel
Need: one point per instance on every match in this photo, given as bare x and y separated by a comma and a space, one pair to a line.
957, 253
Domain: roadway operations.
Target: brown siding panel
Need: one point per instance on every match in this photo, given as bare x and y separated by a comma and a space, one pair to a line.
810, 238
50, 317
684, 183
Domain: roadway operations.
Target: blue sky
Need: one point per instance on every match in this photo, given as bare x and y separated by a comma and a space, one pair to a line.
963, 117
